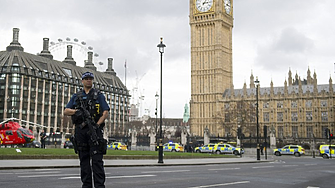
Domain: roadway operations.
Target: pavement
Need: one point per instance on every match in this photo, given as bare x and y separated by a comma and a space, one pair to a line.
74, 163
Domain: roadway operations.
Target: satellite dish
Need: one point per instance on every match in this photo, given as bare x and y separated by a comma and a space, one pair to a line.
68, 39
101, 63
52, 43
96, 55
83, 43
60, 40
75, 40
90, 48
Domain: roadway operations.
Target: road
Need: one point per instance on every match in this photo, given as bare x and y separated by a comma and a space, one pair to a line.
285, 171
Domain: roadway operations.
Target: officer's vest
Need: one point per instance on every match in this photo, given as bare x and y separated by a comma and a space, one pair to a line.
91, 102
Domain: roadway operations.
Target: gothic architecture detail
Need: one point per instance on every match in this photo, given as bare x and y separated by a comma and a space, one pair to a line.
211, 60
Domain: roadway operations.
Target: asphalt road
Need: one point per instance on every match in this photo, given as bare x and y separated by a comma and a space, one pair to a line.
285, 171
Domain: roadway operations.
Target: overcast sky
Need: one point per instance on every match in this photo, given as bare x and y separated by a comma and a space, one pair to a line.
269, 37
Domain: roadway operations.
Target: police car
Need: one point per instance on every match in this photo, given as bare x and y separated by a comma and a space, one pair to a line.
295, 150
208, 148
227, 149
117, 146
327, 151
173, 147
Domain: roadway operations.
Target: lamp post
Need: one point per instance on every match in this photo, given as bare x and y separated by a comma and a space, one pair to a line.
156, 96
257, 126
161, 47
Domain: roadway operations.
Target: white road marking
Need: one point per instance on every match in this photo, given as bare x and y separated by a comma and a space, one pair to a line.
225, 169
165, 171
289, 165
48, 172
112, 177
222, 184
310, 164
47, 169
312, 187
133, 176
46, 175
263, 167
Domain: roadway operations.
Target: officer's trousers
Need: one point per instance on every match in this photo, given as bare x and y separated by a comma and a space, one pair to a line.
88, 162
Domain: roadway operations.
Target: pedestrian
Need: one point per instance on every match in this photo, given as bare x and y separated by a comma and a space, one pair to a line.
261, 148
43, 136
93, 101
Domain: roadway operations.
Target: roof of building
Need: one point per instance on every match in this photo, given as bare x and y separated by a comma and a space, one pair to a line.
277, 90
39, 65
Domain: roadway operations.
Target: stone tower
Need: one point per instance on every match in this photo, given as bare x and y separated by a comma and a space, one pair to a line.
211, 25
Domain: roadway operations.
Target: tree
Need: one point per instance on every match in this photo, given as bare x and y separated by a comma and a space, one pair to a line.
242, 113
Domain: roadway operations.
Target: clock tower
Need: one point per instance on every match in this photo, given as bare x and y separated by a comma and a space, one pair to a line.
211, 24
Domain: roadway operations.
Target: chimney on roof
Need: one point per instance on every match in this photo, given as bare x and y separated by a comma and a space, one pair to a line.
69, 59
110, 69
45, 52
15, 45
89, 63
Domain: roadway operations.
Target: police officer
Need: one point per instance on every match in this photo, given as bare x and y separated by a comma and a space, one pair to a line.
95, 103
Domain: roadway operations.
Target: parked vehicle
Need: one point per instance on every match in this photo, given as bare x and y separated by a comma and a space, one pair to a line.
117, 146
227, 149
173, 147
208, 148
68, 144
295, 150
327, 151
33, 144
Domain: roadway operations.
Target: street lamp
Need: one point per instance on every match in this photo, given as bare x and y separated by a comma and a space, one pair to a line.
161, 47
156, 96
258, 149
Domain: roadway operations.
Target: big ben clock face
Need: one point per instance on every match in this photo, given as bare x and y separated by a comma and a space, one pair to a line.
227, 6
204, 5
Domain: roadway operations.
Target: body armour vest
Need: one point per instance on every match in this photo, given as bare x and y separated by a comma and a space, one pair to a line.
91, 103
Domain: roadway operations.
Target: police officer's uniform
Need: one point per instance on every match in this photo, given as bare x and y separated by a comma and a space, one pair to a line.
96, 105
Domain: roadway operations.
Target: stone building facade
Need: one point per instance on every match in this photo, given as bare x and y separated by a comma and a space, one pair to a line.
36, 88
300, 110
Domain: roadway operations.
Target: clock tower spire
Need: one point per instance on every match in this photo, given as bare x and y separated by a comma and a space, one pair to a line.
211, 23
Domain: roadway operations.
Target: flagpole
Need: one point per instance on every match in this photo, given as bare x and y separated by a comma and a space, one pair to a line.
125, 73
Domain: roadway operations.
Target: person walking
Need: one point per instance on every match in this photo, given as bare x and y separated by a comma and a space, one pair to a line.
43, 136
93, 101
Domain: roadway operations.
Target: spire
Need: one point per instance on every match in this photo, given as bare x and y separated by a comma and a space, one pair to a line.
289, 77
45, 52
252, 81
69, 59
15, 45
271, 88
285, 88
89, 63
245, 89
309, 78
330, 85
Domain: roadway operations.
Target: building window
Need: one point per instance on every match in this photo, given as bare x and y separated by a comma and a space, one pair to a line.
266, 116
266, 105
280, 104
280, 131
294, 104
294, 116
324, 116
309, 116
308, 104
226, 106
295, 131
279, 116
309, 131
323, 103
